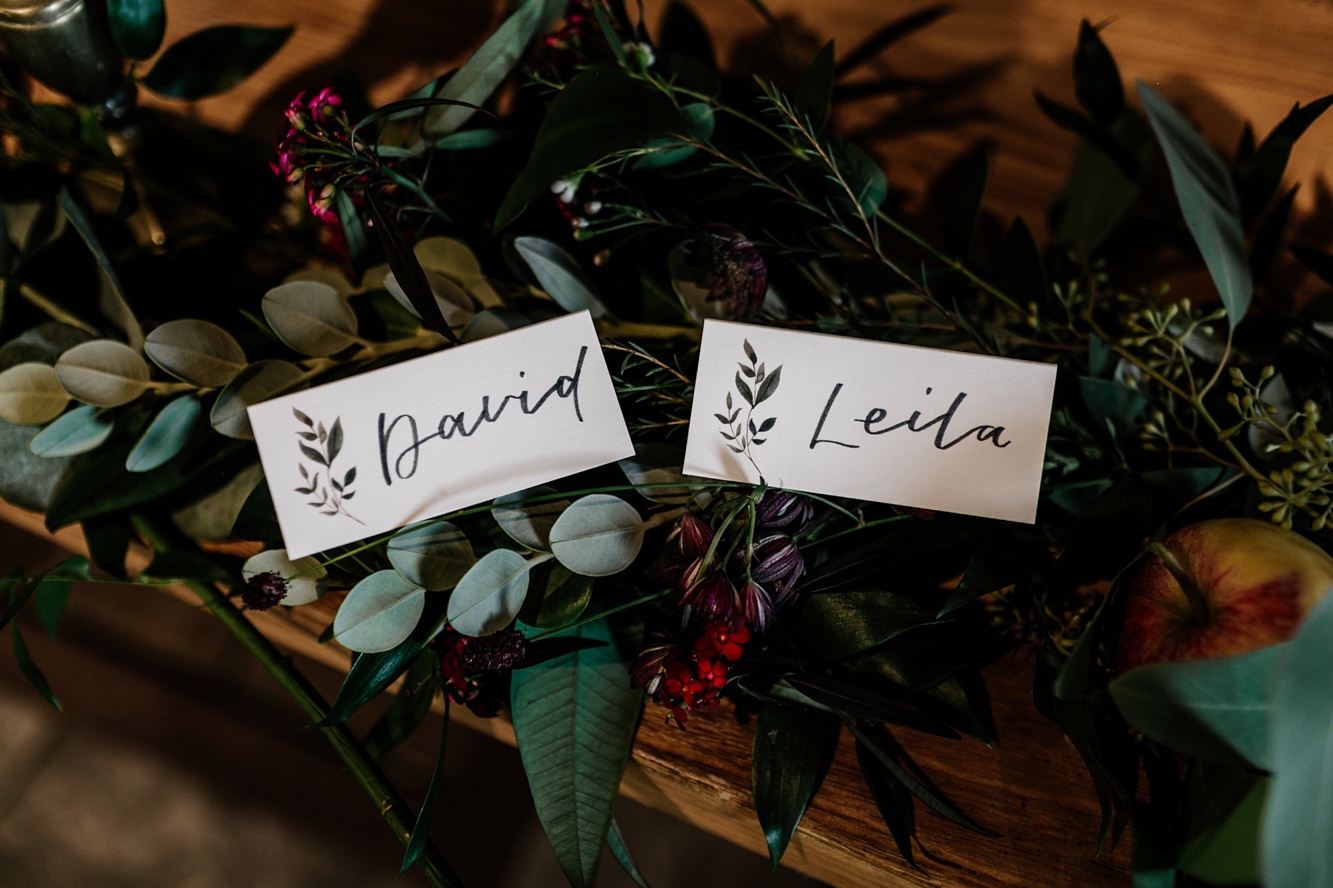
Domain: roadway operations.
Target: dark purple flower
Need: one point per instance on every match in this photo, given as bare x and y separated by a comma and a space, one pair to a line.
777, 564
785, 511
714, 595
263, 590
732, 271
694, 535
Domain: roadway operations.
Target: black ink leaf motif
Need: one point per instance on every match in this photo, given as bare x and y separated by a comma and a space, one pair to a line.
306, 436
303, 418
769, 386
336, 486
729, 405
349, 477
722, 419
304, 473
758, 440
349, 494
768, 424
754, 429
323, 435
759, 375
336, 439
304, 490
746, 370
744, 390
313, 454
734, 449
749, 352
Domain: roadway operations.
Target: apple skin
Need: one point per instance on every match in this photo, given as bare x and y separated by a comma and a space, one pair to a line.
1257, 582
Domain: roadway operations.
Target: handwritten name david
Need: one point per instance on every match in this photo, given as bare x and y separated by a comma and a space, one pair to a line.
383, 449
897, 424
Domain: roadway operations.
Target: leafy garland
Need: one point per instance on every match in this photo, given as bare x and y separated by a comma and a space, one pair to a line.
688, 195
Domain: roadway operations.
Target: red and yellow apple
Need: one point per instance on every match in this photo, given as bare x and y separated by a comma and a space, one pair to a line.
1219, 588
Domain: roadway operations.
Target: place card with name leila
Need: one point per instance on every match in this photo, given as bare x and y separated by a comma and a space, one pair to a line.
899, 424
383, 449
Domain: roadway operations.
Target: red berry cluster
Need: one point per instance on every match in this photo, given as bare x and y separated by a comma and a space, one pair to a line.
690, 679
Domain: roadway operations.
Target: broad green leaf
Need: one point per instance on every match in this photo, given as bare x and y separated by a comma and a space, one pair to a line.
564, 600
31, 394
196, 351
212, 517
370, 674
310, 317
838, 624
656, 464
434, 557
529, 524
137, 26
1208, 202
78, 431
560, 276
489, 596
599, 112
167, 435
52, 592
1097, 78
962, 210
1214, 709
420, 836
30, 670
667, 151
1097, 196
213, 60
408, 708
103, 372
1298, 823
491, 63
574, 720
302, 575
454, 303
258, 382
598, 535
379, 613
791, 748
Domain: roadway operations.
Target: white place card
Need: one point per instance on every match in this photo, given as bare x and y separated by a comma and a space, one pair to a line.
897, 424
374, 452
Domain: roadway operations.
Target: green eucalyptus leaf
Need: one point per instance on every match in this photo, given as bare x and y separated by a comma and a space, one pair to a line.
560, 276
838, 624
1297, 828
598, 535
1208, 202
1097, 78
491, 63
449, 257
213, 60
599, 112
137, 26
302, 576
574, 719
564, 599
491, 593
792, 746
434, 556
310, 317
370, 674
212, 517
166, 436
31, 394
196, 351
78, 431
1213, 709
379, 613
258, 382
529, 524
654, 464
103, 372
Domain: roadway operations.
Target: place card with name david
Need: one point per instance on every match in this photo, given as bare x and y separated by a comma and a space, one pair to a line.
897, 424
380, 450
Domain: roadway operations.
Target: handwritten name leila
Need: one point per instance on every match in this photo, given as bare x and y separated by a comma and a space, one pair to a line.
876, 421
404, 465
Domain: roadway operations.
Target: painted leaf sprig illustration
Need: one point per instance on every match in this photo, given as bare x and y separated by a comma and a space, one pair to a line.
322, 446
755, 384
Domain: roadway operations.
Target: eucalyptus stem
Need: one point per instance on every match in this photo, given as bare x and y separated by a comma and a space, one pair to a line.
353, 754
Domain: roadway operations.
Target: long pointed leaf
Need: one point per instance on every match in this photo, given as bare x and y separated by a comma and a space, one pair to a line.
574, 720
791, 748
370, 674
620, 851
420, 837
1207, 199
407, 269
30, 670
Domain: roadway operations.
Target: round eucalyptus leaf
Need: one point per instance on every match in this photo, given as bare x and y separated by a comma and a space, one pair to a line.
196, 351
598, 535
103, 372
212, 517
82, 429
654, 464
493, 322
451, 258
529, 524
310, 317
258, 382
490, 594
166, 436
453, 301
301, 590
560, 275
31, 394
319, 274
379, 613
434, 557
483, 293
565, 599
